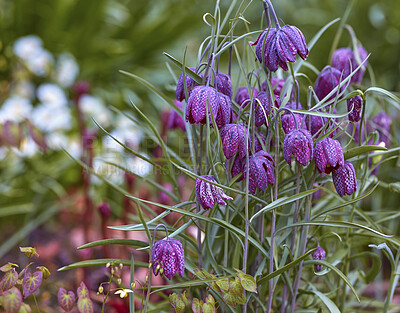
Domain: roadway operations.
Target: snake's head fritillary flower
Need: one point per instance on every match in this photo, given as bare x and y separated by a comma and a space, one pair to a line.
354, 106
208, 194
190, 84
277, 47
328, 155
262, 105
261, 171
168, 257
259, 141
223, 84
175, 120
382, 123
327, 80
344, 179
203, 99
298, 143
237, 167
358, 76
315, 124
242, 95
287, 120
318, 254
234, 139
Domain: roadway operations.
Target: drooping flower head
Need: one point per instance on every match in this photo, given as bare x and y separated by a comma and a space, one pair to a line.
344, 179
354, 106
259, 141
345, 60
175, 120
280, 47
190, 84
382, 123
288, 121
203, 98
262, 105
315, 124
208, 194
261, 171
327, 80
328, 155
223, 84
237, 167
168, 257
318, 254
242, 95
298, 143
234, 138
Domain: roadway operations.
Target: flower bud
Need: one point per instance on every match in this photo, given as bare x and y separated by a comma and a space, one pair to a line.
354, 106
318, 254
344, 179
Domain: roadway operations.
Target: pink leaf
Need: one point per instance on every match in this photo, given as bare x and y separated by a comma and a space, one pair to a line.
66, 300
31, 282
9, 279
85, 305
12, 300
82, 291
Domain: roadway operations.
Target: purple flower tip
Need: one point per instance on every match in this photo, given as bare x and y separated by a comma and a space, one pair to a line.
327, 80
318, 254
344, 179
354, 106
262, 105
190, 84
261, 171
175, 120
234, 137
382, 123
242, 95
223, 84
208, 194
298, 143
280, 47
168, 255
328, 155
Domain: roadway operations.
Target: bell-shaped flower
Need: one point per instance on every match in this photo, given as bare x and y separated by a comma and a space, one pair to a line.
175, 120
262, 105
354, 106
223, 84
234, 139
298, 143
203, 99
328, 155
327, 80
242, 95
190, 84
344, 179
261, 171
168, 257
277, 47
208, 194
382, 123
318, 254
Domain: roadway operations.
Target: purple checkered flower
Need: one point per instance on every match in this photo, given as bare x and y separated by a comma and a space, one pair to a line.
168, 257
234, 139
354, 106
382, 123
327, 80
223, 84
328, 155
242, 95
237, 167
261, 171
344, 59
190, 84
280, 47
318, 254
298, 143
203, 98
208, 194
175, 120
262, 105
287, 120
317, 123
259, 137
344, 179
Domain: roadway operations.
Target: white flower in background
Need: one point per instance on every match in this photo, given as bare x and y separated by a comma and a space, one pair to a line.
93, 107
57, 141
67, 69
26, 47
123, 122
139, 166
49, 118
51, 94
24, 89
27, 149
74, 148
108, 171
3, 153
15, 109
40, 64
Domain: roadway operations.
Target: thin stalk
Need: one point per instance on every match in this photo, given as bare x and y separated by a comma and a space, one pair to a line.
37, 306
271, 8
199, 245
393, 283
303, 242
108, 292
296, 216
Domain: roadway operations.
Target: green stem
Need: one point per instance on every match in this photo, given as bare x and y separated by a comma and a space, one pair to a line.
37, 307
108, 291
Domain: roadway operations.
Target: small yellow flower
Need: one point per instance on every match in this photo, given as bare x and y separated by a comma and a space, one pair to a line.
123, 293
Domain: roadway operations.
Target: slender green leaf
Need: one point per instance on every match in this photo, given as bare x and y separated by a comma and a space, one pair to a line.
100, 262
328, 302
361, 150
118, 241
